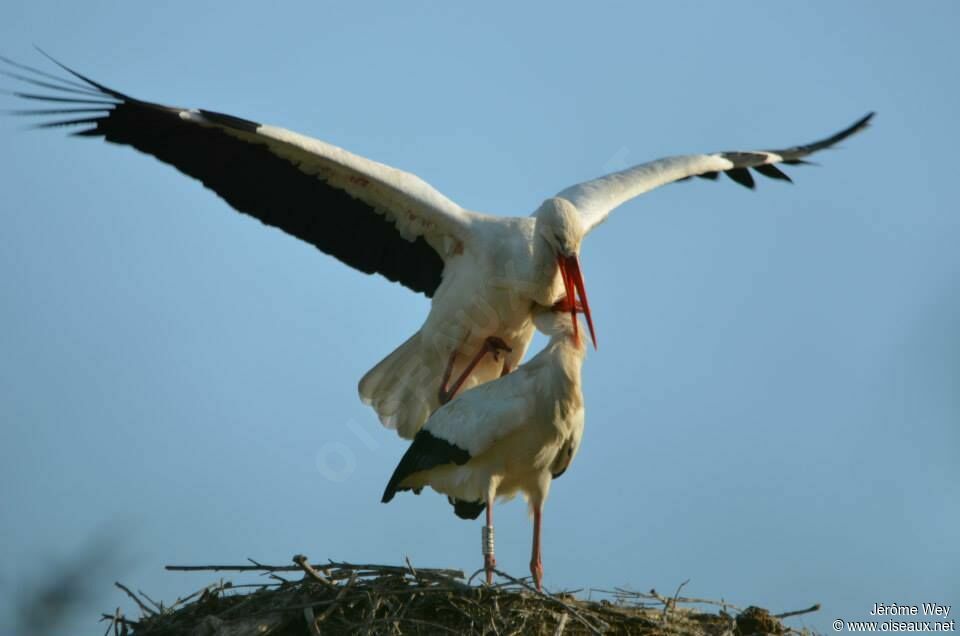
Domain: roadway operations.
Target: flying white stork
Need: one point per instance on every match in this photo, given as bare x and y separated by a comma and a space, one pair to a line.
514, 434
484, 273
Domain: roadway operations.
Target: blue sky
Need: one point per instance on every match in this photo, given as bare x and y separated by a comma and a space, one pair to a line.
773, 412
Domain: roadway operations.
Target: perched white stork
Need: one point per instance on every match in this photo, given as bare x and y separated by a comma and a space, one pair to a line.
514, 434
484, 273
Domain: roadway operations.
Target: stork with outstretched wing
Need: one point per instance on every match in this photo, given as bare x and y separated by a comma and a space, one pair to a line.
484, 273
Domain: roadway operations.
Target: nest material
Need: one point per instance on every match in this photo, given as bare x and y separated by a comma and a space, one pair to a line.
341, 598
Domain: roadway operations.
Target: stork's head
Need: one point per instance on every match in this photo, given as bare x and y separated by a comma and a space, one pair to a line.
559, 224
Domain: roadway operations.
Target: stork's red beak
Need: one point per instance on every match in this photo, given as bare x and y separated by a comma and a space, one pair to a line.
573, 282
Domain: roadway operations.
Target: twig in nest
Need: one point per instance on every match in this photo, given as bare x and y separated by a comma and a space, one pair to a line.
364, 569
474, 575
676, 594
183, 600
311, 619
414, 621
159, 606
396, 569
113, 622
301, 560
680, 599
561, 625
211, 591
232, 568
118, 623
336, 601
672, 603
121, 618
410, 567
573, 612
143, 608
813, 608
242, 603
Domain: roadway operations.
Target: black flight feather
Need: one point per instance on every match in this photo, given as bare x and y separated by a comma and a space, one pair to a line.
247, 176
741, 176
425, 452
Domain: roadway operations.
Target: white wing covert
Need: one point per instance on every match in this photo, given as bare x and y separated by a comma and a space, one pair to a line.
595, 199
476, 419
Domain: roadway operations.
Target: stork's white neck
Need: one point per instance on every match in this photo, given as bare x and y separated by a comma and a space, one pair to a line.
546, 272
559, 363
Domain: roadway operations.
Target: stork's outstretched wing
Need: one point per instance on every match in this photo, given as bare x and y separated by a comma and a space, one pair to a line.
375, 218
597, 198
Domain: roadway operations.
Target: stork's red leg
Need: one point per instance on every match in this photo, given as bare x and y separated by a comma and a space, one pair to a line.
489, 561
443, 396
492, 345
536, 564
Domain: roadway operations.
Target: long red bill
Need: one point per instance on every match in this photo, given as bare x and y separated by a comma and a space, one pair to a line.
569, 295
573, 280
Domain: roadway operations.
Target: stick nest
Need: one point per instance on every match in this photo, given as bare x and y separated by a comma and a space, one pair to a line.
343, 598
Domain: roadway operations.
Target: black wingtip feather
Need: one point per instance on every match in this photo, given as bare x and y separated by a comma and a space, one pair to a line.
66, 88
53, 111
89, 132
742, 176
864, 121
852, 129
101, 87
66, 122
62, 100
41, 73
771, 171
793, 156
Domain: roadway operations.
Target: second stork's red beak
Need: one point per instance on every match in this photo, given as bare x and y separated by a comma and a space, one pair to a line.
573, 283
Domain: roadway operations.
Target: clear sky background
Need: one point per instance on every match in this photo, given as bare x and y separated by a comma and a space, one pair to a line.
773, 412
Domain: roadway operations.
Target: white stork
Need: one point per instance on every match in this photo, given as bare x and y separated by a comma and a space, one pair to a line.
484, 273
515, 434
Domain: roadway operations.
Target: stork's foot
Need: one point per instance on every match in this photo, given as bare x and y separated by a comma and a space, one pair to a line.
496, 345
492, 345
536, 569
564, 305
489, 564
